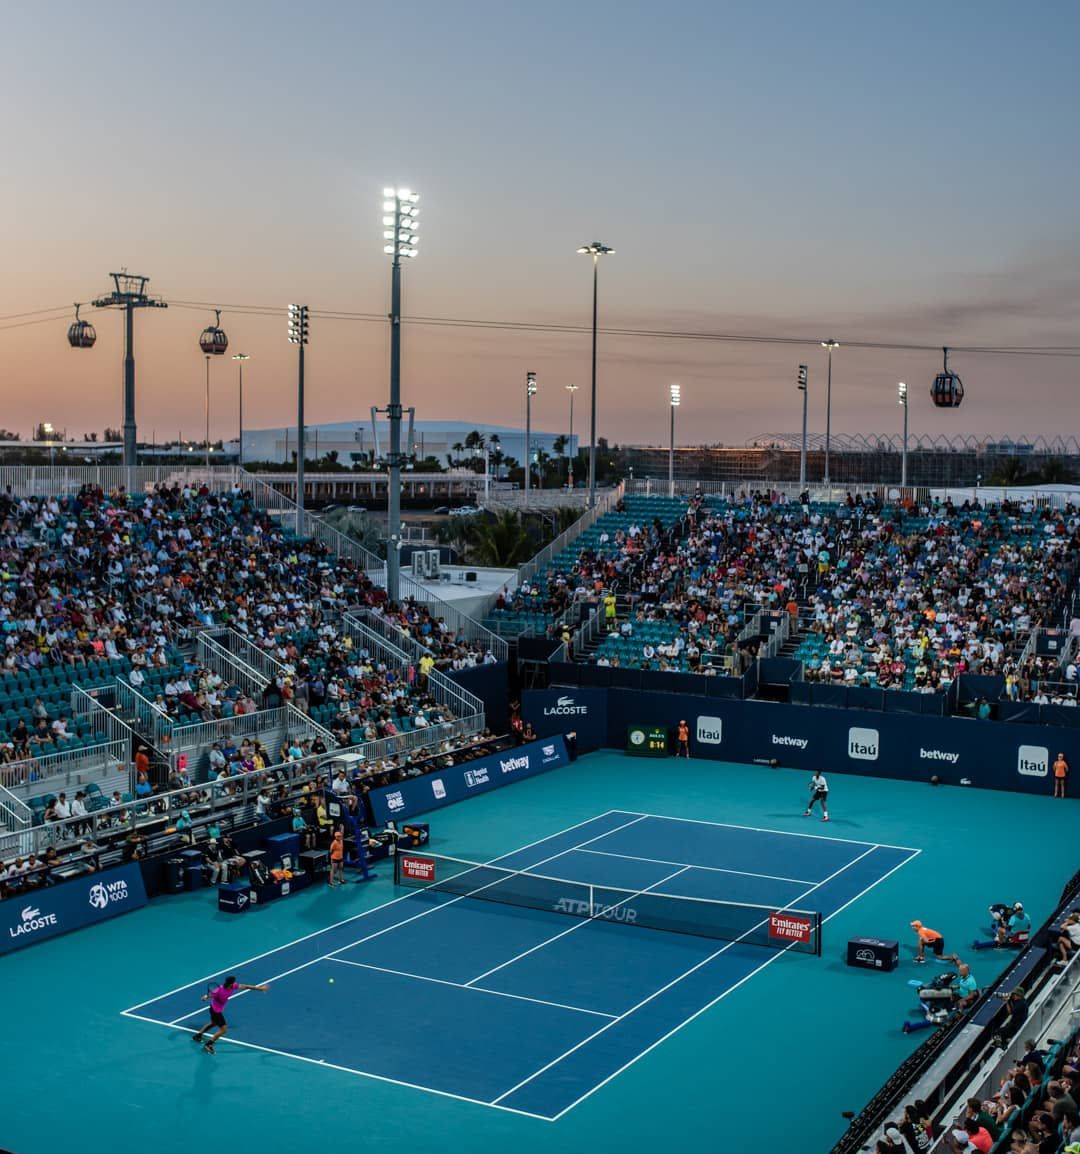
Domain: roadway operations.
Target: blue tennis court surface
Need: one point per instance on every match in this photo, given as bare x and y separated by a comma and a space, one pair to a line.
523, 1009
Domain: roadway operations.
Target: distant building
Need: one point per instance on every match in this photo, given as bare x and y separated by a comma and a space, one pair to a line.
353, 441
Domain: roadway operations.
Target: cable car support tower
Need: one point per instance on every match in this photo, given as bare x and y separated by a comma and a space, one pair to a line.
129, 293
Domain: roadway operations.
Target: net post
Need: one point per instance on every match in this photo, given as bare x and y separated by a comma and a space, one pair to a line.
817, 933
592, 901
397, 867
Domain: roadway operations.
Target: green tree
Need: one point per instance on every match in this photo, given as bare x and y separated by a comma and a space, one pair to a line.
502, 541
1055, 472
459, 533
458, 448
1010, 472
543, 459
497, 456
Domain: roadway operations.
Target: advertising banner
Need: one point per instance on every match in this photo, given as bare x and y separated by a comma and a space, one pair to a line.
35, 915
434, 790
573, 710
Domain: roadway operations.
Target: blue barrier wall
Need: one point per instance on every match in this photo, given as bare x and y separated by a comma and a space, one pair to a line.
434, 790
36, 915
988, 754
577, 710
488, 682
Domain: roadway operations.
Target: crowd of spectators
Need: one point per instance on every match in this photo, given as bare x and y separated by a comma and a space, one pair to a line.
114, 580
886, 596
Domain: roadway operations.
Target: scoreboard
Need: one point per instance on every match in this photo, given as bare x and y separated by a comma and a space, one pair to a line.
647, 741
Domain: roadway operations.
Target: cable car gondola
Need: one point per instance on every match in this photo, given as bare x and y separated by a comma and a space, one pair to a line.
947, 391
81, 335
212, 340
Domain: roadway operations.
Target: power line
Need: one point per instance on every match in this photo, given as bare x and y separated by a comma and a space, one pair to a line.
555, 328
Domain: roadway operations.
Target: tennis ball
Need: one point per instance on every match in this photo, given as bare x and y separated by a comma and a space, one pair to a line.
331, 981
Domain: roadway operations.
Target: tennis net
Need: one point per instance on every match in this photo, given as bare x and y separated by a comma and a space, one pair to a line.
778, 928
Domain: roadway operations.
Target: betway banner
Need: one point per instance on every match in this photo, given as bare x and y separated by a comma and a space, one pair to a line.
434, 790
33, 916
569, 710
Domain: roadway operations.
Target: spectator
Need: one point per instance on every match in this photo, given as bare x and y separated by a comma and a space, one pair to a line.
1068, 938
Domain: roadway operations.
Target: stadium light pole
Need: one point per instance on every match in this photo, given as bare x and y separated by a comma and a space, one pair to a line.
596, 250
401, 233
901, 391
571, 389
830, 344
676, 398
240, 358
803, 388
298, 335
530, 392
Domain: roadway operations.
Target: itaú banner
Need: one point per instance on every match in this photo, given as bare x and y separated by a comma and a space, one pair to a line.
35, 915
434, 790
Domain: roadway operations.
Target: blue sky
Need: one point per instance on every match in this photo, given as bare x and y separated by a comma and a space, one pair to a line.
860, 171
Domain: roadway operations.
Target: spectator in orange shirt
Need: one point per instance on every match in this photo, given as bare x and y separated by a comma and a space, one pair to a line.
1061, 772
682, 746
927, 937
337, 858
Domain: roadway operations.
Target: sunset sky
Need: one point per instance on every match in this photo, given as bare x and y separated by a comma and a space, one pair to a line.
906, 173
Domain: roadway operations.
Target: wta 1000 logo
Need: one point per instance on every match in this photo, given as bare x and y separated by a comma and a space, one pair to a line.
105, 893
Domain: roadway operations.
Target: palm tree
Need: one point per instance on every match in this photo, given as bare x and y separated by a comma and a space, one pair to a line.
496, 452
543, 457
1054, 472
559, 446
459, 533
502, 541
1010, 472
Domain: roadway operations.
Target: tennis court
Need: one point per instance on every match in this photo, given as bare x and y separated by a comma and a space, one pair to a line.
570, 962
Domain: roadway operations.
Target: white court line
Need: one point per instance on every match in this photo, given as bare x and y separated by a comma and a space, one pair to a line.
129, 1012
720, 997
691, 865
349, 1070
675, 981
467, 986
761, 829
578, 926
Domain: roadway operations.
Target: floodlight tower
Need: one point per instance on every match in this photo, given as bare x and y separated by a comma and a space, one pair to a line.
401, 234
298, 335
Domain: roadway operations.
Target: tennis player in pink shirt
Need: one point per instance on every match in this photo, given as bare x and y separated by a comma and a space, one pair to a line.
218, 997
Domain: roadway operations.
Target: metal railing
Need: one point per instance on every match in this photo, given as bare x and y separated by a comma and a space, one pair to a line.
16, 823
270, 500
779, 635
200, 735
153, 725
460, 622
62, 480
604, 505
212, 654
466, 705
305, 727
375, 622
239, 648
68, 767
587, 632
